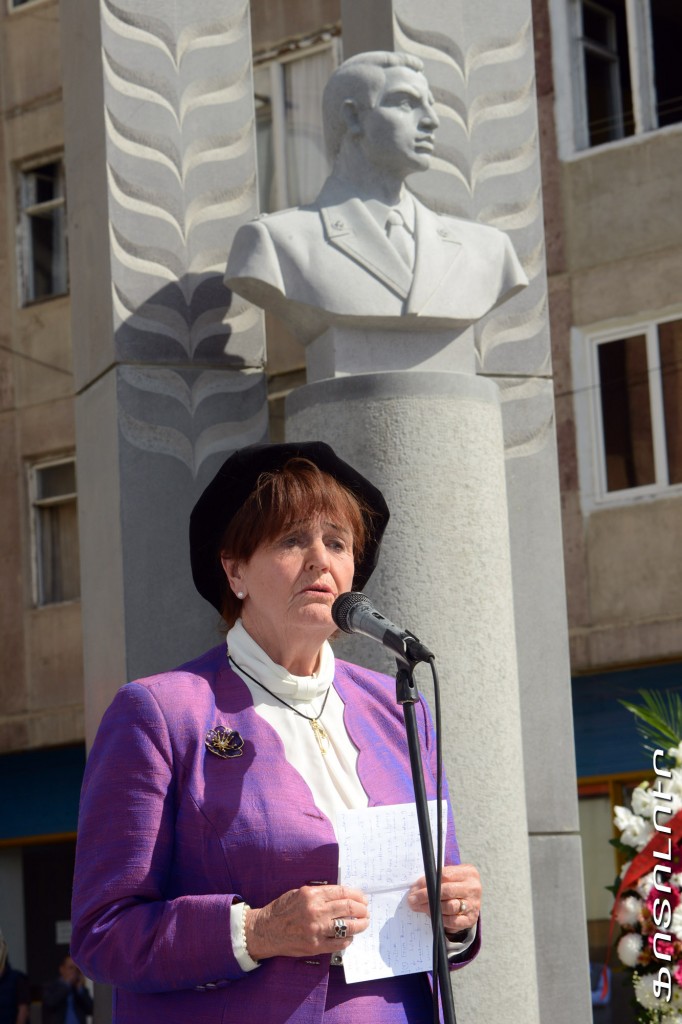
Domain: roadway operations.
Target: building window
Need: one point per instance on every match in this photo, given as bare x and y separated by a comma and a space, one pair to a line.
55, 531
42, 232
616, 68
629, 389
292, 161
606, 71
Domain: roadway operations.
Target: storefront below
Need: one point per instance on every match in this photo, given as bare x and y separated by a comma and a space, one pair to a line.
39, 793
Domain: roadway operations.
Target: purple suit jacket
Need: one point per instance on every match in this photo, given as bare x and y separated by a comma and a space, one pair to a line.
170, 834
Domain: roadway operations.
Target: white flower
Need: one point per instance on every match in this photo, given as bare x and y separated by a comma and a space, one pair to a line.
625, 868
644, 991
643, 800
641, 836
628, 910
676, 880
621, 817
645, 884
676, 753
672, 785
668, 807
629, 949
634, 830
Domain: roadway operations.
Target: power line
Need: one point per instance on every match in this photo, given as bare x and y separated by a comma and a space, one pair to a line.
632, 381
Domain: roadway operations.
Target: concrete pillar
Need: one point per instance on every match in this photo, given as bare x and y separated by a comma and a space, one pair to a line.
160, 153
433, 443
480, 63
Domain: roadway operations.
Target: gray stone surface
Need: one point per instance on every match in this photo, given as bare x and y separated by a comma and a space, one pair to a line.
341, 351
160, 144
433, 443
559, 911
140, 473
539, 604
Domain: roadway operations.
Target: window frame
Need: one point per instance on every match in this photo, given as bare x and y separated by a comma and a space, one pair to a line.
570, 93
33, 469
588, 412
24, 212
276, 64
608, 54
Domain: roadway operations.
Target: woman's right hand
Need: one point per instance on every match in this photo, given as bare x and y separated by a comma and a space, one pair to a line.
301, 922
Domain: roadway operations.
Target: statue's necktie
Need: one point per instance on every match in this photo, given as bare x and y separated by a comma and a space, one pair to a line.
400, 237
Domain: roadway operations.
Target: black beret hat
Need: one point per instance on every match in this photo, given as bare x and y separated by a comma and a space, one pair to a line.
234, 482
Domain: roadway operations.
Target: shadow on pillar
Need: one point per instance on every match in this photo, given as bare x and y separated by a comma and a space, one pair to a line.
194, 320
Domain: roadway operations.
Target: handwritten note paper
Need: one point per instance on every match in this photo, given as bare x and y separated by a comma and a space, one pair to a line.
380, 853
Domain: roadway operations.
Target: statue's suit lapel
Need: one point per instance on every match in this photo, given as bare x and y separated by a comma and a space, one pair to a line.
437, 250
349, 227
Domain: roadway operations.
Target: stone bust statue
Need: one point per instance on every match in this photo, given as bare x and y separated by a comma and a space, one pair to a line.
366, 253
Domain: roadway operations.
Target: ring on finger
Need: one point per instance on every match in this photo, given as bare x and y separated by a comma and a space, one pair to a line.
462, 907
340, 928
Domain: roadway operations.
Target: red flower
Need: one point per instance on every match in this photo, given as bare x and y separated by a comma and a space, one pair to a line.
672, 897
662, 948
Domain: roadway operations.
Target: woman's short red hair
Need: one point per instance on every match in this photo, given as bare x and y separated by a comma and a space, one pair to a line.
296, 492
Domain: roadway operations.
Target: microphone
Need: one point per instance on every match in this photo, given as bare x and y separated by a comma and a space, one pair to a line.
355, 613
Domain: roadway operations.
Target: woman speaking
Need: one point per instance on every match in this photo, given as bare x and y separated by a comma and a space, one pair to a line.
207, 861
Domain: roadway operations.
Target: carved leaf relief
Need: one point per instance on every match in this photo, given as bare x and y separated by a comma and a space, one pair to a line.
181, 168
486, 168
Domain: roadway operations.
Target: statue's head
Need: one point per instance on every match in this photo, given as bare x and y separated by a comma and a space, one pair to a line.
381, 101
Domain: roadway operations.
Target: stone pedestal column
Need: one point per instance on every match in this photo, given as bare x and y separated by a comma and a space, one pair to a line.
433, 444
160, 154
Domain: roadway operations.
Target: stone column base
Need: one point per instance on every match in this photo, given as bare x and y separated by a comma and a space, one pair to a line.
433, 443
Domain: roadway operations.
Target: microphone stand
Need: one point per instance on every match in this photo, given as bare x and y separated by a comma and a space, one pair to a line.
408, 695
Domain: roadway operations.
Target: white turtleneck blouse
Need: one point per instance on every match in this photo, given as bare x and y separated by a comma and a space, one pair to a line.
331, 777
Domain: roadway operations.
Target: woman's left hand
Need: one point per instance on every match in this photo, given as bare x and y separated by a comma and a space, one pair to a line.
460, 897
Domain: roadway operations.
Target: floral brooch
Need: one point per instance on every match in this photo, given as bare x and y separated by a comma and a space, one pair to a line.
224, 742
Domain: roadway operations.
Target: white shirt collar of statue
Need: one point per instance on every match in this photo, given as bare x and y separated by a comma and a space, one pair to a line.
405, 208
253, 659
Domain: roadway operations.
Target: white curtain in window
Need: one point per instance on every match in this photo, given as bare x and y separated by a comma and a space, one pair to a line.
307, 164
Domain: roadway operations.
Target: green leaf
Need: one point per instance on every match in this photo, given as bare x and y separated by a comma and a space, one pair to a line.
622, 847
658, 718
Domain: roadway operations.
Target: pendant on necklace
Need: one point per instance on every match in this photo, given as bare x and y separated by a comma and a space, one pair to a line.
320, 735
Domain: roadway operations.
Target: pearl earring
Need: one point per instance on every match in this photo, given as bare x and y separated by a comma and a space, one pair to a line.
240, 594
